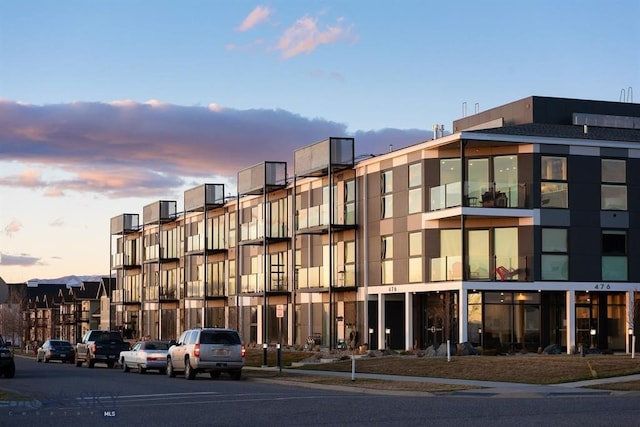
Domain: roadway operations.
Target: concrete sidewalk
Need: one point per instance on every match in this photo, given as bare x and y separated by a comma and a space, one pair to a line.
484, 388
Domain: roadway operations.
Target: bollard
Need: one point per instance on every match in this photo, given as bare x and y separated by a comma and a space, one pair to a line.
264, 355
279, 357
353, 366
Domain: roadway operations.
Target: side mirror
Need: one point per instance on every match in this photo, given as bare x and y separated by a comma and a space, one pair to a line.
172, 342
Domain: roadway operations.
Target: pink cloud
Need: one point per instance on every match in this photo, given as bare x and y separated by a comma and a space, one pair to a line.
258, 15
304, 36
13, 227
129, 149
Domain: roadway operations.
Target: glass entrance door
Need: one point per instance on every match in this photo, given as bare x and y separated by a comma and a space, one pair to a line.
584, 322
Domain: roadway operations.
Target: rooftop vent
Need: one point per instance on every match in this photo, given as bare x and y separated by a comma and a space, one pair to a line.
438, 131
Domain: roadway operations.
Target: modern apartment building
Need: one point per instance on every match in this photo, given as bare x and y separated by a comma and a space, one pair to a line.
515, 232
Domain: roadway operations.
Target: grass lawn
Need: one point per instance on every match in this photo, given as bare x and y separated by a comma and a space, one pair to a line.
521, 368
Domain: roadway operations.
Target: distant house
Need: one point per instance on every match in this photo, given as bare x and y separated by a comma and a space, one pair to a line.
33, 312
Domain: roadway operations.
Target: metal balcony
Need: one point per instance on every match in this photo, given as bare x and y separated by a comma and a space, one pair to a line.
204, 197
159, 212
262, 178
125, 223
330, 154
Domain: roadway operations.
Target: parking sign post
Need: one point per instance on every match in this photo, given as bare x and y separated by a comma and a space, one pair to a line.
279, 315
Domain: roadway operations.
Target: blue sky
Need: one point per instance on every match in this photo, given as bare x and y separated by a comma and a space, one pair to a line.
106, 106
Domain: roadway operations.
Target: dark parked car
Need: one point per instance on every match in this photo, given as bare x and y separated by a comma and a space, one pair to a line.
61, 350
7, 365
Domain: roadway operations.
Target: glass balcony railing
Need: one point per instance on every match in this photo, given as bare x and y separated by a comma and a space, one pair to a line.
499, 268
446, 196
117, 297
124, 260
313, 277
151, 293
318, 216
255, 230
278, 283
277, 230
169, 291
252, 230
346, 278
215, 289
195, 289
252, 283
446, 268
151, 252
480, 194
131, 294
195, 243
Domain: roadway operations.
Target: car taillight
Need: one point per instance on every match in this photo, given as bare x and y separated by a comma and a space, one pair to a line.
196, 350
243, 351
93, 348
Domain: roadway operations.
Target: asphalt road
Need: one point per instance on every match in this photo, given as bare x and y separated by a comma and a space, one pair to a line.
55, 394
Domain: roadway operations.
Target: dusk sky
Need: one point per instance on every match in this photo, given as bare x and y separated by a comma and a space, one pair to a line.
107, 106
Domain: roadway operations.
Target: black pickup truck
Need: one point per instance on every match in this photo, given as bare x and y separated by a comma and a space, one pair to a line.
100, 346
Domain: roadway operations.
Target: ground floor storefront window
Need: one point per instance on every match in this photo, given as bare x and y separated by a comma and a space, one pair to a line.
513, 321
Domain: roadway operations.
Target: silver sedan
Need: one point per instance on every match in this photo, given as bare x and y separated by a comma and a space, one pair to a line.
145, 355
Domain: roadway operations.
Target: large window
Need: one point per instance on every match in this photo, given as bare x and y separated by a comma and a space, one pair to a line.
505, 246
216, 233
215, 279
614, 185
232, 229
232, 277
415, 188
555, 258
350, 202
415, 257
554, 189
278, 273
347, 272
277, 222
386, 260
614, 255
386, 190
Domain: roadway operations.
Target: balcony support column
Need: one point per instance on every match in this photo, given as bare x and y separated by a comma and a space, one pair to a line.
464, 189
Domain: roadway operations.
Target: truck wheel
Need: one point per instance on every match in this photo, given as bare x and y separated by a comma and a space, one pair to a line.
189, 372
78, 362
90, 363
170, 372
141, 370
236, 375
111, 364
125, 368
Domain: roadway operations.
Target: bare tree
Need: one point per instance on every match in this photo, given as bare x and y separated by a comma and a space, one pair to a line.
11, 315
